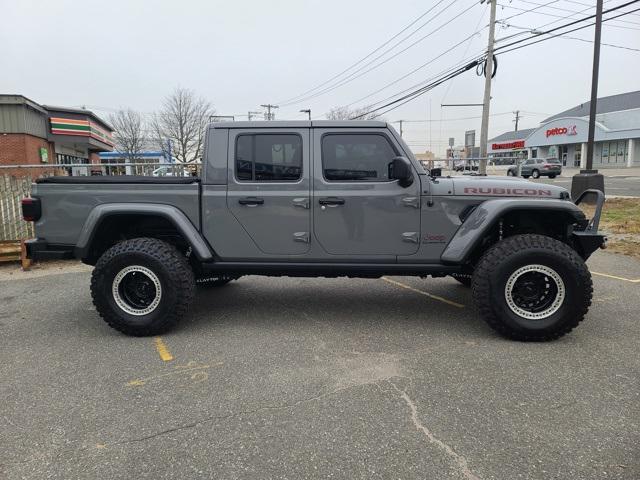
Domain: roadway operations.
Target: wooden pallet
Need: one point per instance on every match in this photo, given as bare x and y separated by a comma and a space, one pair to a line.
14, 251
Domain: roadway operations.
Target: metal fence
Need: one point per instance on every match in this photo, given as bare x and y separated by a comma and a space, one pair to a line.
155, 169
467, 166
12, 190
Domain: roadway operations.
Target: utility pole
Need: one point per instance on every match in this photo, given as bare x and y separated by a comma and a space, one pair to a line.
486, 103
269, 107
307, 111
590, 178
251, 114
517, 113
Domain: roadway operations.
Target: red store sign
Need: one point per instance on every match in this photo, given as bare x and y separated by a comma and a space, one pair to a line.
508, 145
570, 130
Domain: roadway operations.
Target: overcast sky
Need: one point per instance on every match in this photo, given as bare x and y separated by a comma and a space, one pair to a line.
240, 54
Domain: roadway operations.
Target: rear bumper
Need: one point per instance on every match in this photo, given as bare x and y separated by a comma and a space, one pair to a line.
39, 249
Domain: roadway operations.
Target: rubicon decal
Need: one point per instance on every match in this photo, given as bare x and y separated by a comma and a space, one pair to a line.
523, 192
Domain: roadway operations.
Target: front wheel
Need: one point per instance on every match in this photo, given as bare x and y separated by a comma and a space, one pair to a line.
532, 288
142, 286
535, 174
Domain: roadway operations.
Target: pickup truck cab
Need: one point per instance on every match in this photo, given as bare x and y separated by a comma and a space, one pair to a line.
321, 198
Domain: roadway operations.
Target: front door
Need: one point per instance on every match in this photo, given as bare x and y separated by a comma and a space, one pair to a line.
357, 210
269, 189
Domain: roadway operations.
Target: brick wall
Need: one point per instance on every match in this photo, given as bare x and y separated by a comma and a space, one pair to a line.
22, 149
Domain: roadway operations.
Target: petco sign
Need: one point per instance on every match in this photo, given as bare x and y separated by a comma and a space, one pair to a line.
570, 130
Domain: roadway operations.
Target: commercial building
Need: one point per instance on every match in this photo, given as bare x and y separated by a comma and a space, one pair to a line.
146, 162
34, 134
564, 135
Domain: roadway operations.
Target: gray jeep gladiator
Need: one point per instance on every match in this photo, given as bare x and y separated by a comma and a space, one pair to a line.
319, 198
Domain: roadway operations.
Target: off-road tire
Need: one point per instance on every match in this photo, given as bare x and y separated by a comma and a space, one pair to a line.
464, 279
535, 173
213, 281
171, 269
506, 257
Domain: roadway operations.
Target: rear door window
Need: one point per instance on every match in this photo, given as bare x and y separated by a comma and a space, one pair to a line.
268, 158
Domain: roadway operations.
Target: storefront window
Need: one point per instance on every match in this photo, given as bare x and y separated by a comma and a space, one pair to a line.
605, 153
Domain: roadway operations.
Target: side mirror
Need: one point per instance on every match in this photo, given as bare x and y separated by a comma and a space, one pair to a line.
435, 172
400, 169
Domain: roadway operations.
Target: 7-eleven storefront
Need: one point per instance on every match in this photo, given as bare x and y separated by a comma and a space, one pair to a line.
78, 136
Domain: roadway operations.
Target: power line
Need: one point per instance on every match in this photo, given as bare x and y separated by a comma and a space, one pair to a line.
414, 70
359, 72
573, 23
416, 93
556, 16
564, 26
370, 53
527, 30
573, 12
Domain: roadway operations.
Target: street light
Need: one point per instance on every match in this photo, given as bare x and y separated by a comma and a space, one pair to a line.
307, 111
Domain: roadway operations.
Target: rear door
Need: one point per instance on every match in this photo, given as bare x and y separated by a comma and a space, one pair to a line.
269, 189
357, 210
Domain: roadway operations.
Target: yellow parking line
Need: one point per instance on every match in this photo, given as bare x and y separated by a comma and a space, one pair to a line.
426, 294
163, 351
631, 280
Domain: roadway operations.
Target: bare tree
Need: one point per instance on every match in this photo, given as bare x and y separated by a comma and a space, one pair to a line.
344, 113
129, 133
181, 123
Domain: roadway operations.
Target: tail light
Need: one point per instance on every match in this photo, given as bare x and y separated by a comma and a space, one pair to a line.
31, 210
546, 167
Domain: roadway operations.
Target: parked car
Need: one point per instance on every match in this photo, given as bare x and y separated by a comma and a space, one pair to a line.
537, 167
319, 199
171, 171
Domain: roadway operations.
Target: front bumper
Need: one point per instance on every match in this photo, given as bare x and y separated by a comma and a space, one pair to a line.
39, 249
589, 240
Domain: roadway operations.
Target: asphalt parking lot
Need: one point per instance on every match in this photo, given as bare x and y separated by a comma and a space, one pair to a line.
317, 378
620, 186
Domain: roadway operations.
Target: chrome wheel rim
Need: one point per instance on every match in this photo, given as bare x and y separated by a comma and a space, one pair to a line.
137, 290
534, 292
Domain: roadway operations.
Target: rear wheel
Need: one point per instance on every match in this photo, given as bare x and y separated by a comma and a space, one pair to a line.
142, 286
535, 174
532, 288
510, 173
552, 175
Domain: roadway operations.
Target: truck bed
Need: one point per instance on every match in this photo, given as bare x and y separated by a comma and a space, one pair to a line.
98, 179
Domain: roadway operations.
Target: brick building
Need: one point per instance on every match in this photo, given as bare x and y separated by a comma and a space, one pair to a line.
34, 134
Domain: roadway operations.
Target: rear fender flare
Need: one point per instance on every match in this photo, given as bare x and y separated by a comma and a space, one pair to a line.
200, 248
487, 214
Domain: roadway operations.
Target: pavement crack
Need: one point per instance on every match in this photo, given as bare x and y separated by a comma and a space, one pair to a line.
237, 414
459, 459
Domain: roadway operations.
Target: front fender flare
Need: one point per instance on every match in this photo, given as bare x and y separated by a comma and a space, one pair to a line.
169, 212
486, 215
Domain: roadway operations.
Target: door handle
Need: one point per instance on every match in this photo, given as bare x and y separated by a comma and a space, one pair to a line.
251, 201
331, 201
411, 202
302, 202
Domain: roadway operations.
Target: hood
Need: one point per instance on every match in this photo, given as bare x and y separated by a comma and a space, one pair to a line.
493, 186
